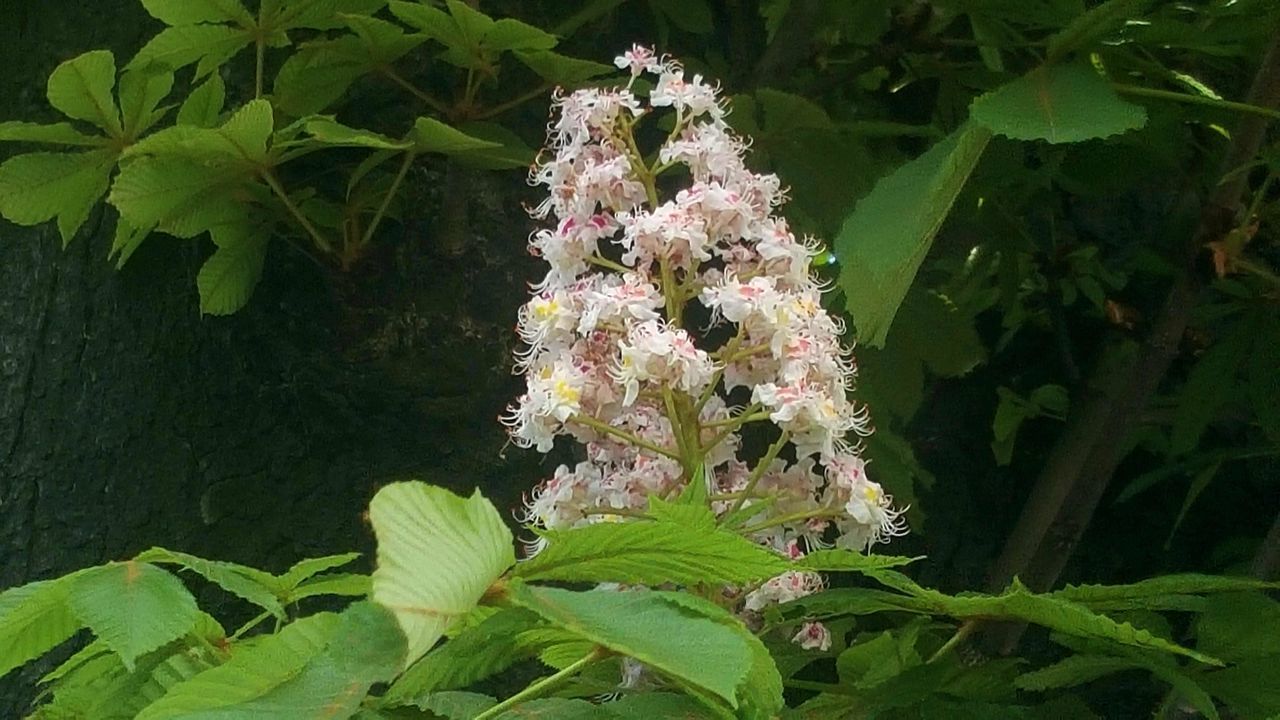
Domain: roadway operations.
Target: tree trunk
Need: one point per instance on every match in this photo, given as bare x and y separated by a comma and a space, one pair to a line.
127, 420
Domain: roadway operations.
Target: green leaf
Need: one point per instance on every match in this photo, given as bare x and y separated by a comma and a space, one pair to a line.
181, 197
1240, 626
331, 132
141, 91
511, 34
692, 16
1151, 594
1074, 670
882, 243
134, 607
511, 150
204, 105
437, 555
340, 584
228, 576
39, 187
34, 619
456, 705
648, 627
178, 47
651, 553
436, 23
1251, 688
651, 705
383, 42
190, 12
836, 560
1058, 104
310, 567
227, 279
81, 87
316, 76
1093, 24
432, 136
556, 709
561, 69
258, 667
475, 654
56, 134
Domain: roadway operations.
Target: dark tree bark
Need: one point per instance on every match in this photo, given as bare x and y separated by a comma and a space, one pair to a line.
127, 420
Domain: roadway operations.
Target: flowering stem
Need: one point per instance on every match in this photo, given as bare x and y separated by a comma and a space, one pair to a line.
677, 427
544, 685
760, 469
605, 262
825, 512
623, 435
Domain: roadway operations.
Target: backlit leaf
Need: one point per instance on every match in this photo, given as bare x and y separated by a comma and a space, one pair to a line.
134, 607
81, 89
1058, 104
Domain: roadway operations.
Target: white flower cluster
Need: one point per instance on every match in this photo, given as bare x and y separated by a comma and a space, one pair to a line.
664, 327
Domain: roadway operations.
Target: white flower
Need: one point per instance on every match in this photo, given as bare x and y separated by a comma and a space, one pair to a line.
813, 636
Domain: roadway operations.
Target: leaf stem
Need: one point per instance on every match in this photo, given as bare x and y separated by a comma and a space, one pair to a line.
520, 100
431, 101
544, 685
966, 628
826, 512
761, 467
260, 57
1190, 99
250, 625
409, 157
274, 182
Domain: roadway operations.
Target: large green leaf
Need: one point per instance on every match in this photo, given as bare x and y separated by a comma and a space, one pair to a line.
437, 555
254, 670
882, 243
475, 654
34, 619
204, 104
228, 576
651, 553
81, 87
134, 607
1058, 104
432, 136
39, 187
180, 196
562, 69
650, 628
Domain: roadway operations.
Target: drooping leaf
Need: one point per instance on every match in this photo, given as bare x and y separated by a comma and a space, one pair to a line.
39, 187
475, 654
651, 553
134, 607
258, 667
642, 624
437, 555
80, 88
1058, 104
34, 619
228, 576
882, 243
227, 279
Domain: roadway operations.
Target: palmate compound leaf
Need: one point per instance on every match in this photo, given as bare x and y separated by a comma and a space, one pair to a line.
134, 607
1057, 104
651, 553
437, 555
34, 619
886, 237
681, 643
